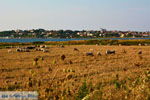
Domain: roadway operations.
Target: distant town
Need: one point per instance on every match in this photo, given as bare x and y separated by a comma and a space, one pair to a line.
42, 33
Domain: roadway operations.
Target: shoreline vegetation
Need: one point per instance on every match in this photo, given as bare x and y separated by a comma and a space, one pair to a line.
144, 42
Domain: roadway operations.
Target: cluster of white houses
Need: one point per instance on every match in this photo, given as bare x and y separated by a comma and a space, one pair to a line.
73, 34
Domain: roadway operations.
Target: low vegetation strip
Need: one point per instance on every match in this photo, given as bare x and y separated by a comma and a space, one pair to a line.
83, 42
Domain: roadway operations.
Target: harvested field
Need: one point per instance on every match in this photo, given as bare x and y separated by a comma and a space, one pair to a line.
119, 76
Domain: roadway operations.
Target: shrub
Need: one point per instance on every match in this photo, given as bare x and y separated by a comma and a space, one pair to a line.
83, 91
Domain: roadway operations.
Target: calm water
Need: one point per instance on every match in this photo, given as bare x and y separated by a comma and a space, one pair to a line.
42, 40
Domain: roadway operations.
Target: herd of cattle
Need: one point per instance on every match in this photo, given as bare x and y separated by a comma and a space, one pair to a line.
44, 49
99, 54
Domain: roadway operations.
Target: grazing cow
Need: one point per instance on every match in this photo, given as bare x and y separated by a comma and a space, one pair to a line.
43, 46
18, 49
140, 44
110, 52
89, 54
31, 47
41, 49
146, 44
22, 50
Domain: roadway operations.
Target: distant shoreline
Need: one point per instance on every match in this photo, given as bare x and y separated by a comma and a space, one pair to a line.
31, 40
135, 42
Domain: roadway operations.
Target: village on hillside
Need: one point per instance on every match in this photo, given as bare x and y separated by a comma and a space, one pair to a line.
42, 33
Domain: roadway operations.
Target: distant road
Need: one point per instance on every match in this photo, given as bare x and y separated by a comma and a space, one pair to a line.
26, 40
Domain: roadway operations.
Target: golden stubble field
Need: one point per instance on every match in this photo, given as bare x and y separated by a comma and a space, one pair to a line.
110, 77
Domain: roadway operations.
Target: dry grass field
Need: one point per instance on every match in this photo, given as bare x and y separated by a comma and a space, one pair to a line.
121, 76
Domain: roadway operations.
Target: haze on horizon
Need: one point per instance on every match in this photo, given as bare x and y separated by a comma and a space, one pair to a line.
75, 14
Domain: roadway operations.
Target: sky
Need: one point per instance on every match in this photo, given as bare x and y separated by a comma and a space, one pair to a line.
75, 14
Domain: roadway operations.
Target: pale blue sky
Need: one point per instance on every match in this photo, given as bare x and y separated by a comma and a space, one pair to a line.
75, 14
